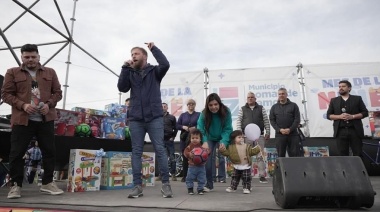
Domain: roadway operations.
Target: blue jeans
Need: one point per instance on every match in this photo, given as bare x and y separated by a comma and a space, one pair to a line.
222, 167
169, 145
210, 164
155, 130
196, 173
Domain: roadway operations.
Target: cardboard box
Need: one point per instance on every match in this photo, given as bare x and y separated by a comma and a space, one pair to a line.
66, 122
84, 171
148, 168
116, 171
89, 111
116, 111
113, 128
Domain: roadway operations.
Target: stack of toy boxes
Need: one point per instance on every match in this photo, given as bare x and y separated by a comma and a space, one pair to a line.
148, 168
67, 121
116, 171
84, 171
93, 118
113, 126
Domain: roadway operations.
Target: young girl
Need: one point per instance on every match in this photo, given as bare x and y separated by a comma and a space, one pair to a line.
194, 172
240, 154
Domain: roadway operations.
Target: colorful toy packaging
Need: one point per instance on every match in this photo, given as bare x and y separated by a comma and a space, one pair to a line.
314, 151
66, 122
113, 128
95, 122
148, 168
116, 171
84, 171
116, 110
89, 111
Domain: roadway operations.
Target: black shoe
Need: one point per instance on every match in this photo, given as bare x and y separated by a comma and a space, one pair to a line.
201, 192
190, 191
183, 179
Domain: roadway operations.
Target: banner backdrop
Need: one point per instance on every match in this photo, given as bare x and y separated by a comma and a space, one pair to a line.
322, 82
233, 86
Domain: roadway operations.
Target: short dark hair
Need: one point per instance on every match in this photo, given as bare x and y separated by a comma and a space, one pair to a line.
346, 82
29, 48
235, 134
195, 132
127, 99
141, 49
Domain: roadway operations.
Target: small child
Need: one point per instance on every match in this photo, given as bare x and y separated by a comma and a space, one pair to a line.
195, 172
240, 154
33, 158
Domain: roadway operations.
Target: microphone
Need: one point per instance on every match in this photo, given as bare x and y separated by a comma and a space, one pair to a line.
40, 106
344, 111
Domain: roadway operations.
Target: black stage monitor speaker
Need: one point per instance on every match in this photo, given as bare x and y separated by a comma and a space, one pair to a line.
328, 182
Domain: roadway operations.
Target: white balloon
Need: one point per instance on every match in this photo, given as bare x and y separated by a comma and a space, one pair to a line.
252, 131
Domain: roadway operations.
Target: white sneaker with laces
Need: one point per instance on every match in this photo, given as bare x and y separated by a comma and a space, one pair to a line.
15, 192
51, 188
230, 190
246, 191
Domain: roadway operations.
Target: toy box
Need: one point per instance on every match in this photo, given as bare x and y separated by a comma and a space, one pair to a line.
89, 111
84, 171
270, 157
148, 168
313, 151
113, 128
67, 121
116, 171
116, 111
95, 122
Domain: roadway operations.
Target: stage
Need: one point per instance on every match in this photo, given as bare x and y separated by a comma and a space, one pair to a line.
260, 199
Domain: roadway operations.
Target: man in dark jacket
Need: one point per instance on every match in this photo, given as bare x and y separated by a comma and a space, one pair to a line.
170, 132
145, 111
347, 111
285, 118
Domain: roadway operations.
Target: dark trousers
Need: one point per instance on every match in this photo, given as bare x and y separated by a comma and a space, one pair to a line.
346, 138
185, 161
20, 139
291, 143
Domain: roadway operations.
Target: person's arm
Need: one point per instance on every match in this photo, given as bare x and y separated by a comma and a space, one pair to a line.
124, 83
239, 119
179, 122
201, 127
56, 92
272, 118
363, 110
266, 124
297, 118
227, 130
163, 63
9, 90
254, 150
175, 131
187, 151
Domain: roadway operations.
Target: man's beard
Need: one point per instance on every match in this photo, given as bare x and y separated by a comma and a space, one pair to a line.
137, 65
343, 92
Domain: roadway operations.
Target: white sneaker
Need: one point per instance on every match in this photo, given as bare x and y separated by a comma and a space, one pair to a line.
51, 188
205, 189
229, 190
15, 192
246, 191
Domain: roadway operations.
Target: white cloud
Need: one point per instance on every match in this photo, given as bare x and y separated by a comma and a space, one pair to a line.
193, 34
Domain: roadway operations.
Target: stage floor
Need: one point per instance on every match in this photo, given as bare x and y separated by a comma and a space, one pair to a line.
261, 199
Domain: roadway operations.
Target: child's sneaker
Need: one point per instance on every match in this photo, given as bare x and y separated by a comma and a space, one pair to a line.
200, 192
229, 190
205, 189
190, 191
246, 191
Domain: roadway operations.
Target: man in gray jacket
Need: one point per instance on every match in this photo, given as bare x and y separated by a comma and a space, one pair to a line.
285, 118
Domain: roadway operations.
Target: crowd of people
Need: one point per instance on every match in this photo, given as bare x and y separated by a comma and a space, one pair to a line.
34, 90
